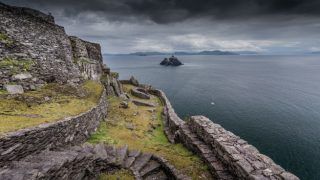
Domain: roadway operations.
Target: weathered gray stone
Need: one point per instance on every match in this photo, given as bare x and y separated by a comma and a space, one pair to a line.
142, 103
149, 168
14, 89
289, 176
134, 81
139, 94
140, 161
124, 104
22, 76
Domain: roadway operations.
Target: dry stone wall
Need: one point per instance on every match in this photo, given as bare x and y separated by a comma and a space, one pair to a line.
87, 162
240, 157
88, 58
31, 43
227, 155
68, 131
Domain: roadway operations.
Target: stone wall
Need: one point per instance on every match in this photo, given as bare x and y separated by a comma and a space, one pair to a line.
32, 44
87, 162
227, 155
88, 58
172, 122
68, 131
240, 157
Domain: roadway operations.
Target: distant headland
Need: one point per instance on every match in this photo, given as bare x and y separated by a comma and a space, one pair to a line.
185, 53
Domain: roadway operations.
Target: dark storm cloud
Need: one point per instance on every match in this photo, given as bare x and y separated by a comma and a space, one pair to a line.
189, 25
168, 11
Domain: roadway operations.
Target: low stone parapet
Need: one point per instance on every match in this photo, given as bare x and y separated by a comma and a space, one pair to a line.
68, 131
172, 122
243, 159
227, 155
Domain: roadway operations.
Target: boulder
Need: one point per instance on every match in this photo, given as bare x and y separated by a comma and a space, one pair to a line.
14, 89
22, 76
134, 81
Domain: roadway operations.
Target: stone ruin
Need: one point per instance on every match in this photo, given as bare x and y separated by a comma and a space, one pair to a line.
35, 51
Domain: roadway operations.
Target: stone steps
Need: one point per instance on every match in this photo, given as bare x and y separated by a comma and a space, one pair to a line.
218, 169
87, 161
149, 168
159, 175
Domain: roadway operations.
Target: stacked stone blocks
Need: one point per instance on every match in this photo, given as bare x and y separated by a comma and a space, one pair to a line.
66, 132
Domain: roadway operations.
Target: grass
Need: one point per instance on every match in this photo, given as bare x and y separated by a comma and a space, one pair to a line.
51, 103
117, 175
141, 129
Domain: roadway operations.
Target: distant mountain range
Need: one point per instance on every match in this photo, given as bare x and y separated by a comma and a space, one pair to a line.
316, 52
216, 52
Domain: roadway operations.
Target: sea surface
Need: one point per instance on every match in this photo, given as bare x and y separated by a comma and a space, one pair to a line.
273, 102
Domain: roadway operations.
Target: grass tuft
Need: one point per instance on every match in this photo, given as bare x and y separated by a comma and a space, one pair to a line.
5, 39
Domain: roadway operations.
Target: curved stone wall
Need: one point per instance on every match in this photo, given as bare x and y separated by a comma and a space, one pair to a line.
87, 162
68, 131
227, 155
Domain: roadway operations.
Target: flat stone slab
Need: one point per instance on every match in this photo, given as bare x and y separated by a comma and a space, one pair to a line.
150, 167
142, 103
14, 89
139, 93
140, 161
22, 76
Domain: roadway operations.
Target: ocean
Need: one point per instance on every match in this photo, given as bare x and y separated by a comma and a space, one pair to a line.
273, 102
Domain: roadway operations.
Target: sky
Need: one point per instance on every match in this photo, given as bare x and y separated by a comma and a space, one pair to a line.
125, 26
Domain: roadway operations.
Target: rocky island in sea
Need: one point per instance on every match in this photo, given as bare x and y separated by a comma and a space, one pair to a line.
172, 61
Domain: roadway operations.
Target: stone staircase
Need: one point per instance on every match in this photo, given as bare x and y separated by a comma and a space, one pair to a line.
87, 162
217, 168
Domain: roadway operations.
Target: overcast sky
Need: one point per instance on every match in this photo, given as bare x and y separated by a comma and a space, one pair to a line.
122, 26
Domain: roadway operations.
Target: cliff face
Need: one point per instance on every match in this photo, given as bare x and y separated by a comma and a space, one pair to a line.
34, 50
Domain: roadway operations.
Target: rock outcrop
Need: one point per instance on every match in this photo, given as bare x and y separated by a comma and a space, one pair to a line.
34, 51
110, 81
172, 61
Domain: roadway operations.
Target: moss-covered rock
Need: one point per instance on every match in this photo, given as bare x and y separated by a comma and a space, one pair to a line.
16, 64
5, 39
